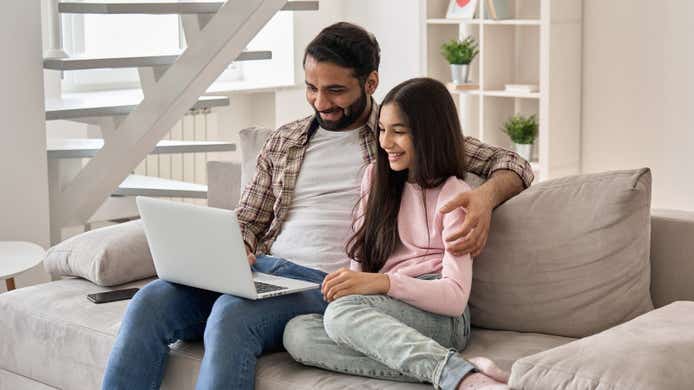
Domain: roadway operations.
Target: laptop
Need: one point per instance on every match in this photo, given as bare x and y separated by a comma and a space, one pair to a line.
202, 247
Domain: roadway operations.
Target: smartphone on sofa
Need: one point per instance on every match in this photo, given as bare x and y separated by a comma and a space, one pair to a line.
111, 296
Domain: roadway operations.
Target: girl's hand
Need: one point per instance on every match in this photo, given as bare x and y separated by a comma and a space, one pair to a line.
346, 282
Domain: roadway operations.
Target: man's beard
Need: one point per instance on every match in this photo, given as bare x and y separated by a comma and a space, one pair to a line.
349, 115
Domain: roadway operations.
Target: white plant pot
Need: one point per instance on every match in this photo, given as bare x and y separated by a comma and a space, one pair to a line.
460, 73
524, 150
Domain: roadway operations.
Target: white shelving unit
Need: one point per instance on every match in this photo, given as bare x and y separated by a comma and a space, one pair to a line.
541, 45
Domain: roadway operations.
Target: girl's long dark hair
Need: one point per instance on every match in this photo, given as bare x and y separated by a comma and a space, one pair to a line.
438, 154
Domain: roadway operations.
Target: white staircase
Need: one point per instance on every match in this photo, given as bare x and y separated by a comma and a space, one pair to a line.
85, 107
133, 123
134, 185
82, 63
86, 148
163, 7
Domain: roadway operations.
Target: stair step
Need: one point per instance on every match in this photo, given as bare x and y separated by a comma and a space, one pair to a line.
81, 63
161, 7
115, 207
110, 103
135, 185
89, 147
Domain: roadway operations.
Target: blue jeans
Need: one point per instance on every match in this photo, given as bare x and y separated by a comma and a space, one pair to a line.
236, 331
381, 337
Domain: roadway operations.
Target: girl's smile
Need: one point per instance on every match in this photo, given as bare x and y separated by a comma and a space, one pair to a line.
394, 156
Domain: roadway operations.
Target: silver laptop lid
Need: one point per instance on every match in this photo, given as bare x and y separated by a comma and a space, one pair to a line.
197, 246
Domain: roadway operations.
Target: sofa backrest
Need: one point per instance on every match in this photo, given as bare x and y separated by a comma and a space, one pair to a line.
226, 180
672, 256
252, 140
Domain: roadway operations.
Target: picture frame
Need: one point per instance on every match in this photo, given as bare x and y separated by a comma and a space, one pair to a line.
462, 9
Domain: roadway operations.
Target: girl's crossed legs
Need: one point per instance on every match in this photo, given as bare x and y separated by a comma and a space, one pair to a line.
381, 337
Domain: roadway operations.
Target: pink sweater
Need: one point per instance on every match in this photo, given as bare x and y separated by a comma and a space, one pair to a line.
422, 249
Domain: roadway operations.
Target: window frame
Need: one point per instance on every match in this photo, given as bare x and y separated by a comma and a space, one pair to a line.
73, 30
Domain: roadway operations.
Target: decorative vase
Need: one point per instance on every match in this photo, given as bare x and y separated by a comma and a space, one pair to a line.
524, 150
459, 73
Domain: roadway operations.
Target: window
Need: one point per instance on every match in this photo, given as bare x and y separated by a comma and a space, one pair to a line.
105, 35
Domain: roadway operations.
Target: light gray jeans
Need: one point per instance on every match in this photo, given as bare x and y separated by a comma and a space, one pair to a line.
381, 337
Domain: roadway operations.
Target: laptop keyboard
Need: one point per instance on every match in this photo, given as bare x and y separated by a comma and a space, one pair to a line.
261, 287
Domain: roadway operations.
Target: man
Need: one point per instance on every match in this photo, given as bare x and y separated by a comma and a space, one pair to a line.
299, 207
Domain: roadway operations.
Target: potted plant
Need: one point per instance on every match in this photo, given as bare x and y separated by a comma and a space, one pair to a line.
459, 55
522, 131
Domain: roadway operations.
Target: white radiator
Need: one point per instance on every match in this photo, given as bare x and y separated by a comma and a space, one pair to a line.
196, 125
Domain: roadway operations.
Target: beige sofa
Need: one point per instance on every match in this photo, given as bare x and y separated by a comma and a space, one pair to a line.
51, 337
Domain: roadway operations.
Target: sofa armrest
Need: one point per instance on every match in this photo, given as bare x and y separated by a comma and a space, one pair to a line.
223, 184
672, 256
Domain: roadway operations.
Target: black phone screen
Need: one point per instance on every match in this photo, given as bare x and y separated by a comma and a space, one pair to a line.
110, 296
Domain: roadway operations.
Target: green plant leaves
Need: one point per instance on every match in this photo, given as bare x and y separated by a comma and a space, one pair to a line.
459, 52
521, 130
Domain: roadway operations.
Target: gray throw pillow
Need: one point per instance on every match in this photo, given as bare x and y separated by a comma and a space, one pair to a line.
567, 257
251, 140
107, 256
653, 351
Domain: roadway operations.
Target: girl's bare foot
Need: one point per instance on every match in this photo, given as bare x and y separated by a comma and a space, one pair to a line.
490, 369
479, 381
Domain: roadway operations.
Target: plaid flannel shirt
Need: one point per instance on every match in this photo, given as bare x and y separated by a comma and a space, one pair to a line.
266, 200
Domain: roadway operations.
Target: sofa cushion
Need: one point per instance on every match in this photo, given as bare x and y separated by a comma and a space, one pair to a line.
280, 371
505, 347
568, 257
106, 256
12, 381
52, 329
653, 351
223, 178
251, 140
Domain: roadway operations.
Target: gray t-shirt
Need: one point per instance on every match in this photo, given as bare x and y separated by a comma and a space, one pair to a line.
319, 221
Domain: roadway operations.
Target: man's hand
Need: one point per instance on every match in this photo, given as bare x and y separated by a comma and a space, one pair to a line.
346, 282
475, 228
479, 203
250, 255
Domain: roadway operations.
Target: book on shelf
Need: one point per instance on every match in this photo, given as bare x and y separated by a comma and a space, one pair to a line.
498, 9
524, 88
462, 87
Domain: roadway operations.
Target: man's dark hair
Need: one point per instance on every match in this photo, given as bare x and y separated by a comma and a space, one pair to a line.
347, 45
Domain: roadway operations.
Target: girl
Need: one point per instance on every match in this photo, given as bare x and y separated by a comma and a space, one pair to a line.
400, 311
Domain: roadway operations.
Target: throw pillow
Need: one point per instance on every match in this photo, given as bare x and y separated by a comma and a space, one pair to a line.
567, 257
653, 351
251, 140
107, 256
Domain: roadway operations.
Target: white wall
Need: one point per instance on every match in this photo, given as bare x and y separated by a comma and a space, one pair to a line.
24, 194
637, 93
397, 27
